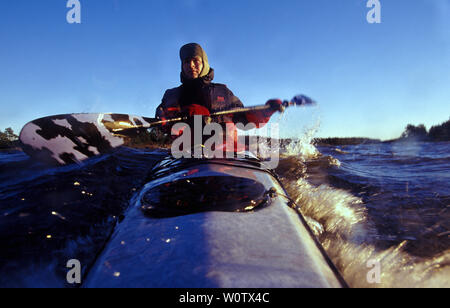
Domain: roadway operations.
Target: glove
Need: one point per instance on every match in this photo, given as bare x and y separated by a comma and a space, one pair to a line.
195, 109
275, 105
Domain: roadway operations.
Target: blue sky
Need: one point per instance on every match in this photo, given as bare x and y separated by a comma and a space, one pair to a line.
370, 80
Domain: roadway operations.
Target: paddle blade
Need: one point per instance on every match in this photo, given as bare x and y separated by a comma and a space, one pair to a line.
72, 138
301, 100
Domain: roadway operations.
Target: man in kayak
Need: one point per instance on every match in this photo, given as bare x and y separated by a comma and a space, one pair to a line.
198, 95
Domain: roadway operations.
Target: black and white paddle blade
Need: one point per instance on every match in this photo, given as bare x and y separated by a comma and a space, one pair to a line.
72, 138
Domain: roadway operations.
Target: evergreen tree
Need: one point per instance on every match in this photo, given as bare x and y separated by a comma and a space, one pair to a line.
416, 132
440, 132
7, 138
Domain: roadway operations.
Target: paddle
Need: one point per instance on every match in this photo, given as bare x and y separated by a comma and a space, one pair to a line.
299, 100
69, 138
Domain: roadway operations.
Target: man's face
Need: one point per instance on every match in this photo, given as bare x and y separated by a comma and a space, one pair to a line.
192, 67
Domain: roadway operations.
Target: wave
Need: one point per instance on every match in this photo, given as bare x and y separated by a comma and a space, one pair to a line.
344, 224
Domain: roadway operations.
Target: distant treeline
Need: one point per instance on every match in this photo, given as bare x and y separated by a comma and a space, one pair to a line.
436, 133
155, 138
344, 141
152, 138
8, 139
417, 133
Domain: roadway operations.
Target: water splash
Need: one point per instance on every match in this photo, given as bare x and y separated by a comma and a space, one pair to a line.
397, 267
341, 222
340, 213
303, 147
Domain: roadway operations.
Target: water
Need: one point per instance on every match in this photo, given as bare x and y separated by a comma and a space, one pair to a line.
51, 215
387, 203
383, 203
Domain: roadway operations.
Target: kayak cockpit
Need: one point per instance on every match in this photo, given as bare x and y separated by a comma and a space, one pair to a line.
182, 187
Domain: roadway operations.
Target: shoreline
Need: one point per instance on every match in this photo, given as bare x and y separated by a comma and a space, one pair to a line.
12, 149
334, 141
329, 141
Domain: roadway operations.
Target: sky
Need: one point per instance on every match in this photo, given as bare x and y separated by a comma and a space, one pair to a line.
370, 80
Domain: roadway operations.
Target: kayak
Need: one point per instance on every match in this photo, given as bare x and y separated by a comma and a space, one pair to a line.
213, 223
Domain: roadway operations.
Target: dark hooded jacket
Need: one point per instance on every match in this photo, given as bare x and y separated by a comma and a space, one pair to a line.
201, 91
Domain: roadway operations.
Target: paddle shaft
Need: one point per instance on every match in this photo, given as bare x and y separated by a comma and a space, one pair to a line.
215, 114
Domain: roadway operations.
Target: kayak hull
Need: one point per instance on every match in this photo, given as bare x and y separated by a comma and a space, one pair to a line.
267, 248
